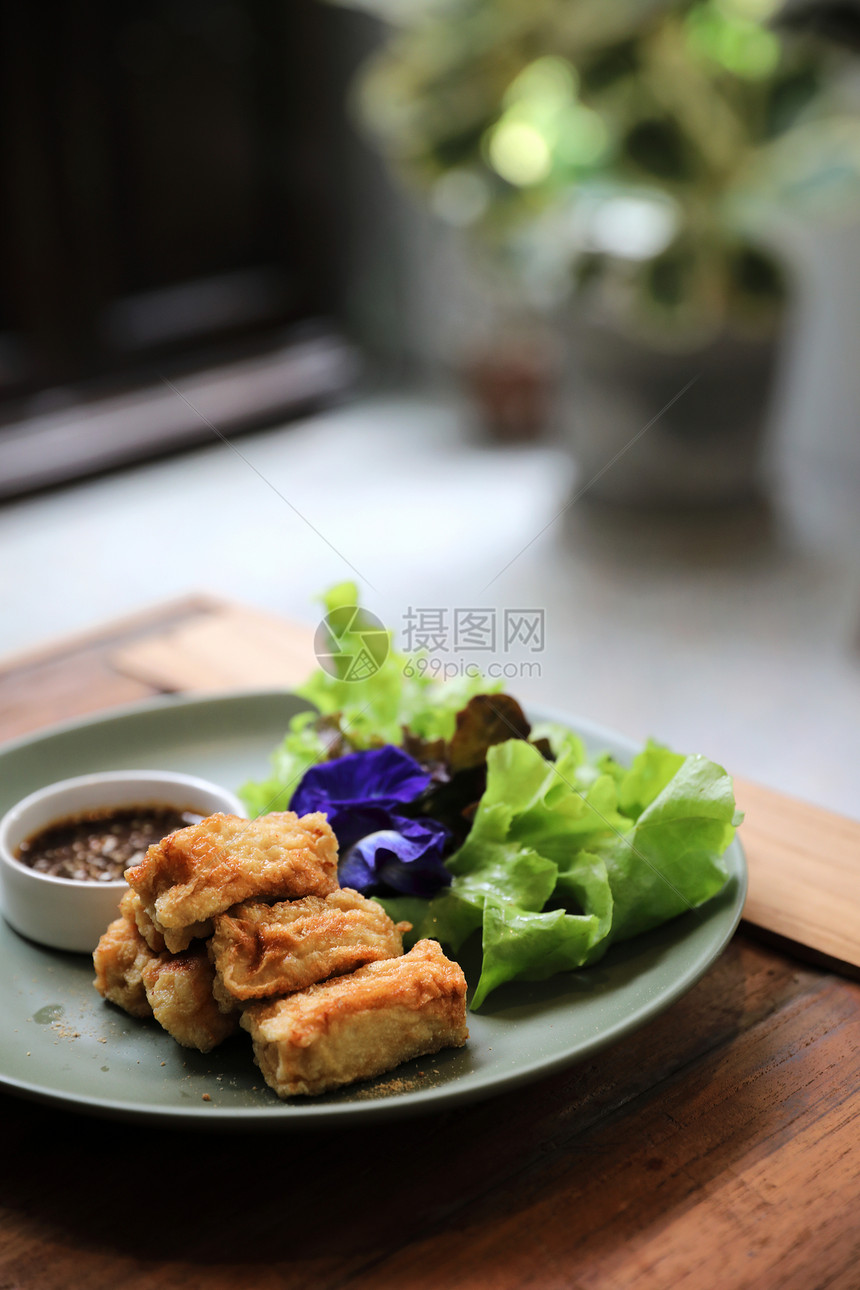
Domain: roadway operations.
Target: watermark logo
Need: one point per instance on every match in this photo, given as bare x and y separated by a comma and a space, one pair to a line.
480, 631
434, 667
441, 642
351, 644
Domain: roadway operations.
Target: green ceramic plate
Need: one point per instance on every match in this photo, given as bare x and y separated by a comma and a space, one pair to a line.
60, 1043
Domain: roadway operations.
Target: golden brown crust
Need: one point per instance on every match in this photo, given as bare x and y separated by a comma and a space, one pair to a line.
350, 1004
176, 990
179, 992
202, 870
263, 950
158, 938
176, 940
132, 907
119, 960
357, 1026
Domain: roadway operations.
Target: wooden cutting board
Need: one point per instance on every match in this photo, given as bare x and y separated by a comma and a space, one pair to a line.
804, 873
229, 649
804, 862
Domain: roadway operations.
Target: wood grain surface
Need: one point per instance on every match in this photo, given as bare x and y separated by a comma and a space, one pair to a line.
232, 648
717, 1146
804, 872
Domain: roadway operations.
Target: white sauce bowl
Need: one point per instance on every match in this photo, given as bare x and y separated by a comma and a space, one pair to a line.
68, 913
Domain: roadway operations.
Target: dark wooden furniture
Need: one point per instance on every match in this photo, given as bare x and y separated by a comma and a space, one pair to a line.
173, 211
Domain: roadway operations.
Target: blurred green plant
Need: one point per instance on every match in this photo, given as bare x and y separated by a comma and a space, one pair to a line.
615, 147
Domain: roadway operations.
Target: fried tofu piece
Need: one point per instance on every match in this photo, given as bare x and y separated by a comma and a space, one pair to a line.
179, 992
202, 870
119, 960
157, 939
264, 950
357, 1026
172, 941
176, 990
131, 907
177, 940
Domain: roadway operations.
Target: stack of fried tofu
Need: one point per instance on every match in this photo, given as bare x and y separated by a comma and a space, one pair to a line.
241, 922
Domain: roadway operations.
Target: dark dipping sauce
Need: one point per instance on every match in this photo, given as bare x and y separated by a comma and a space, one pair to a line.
101, 845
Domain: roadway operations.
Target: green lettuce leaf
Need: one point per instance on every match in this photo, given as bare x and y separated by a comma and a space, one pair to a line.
560, 739
549, 811
401, 692
583, 883
614, 876
649, 773
397, 693
670, 861
488, 869
525, 946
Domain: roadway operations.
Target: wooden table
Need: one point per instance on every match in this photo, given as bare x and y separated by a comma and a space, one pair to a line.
718, 1146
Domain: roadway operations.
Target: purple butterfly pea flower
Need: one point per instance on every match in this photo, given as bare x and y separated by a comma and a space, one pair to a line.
346, 788
362, 795
405, 856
